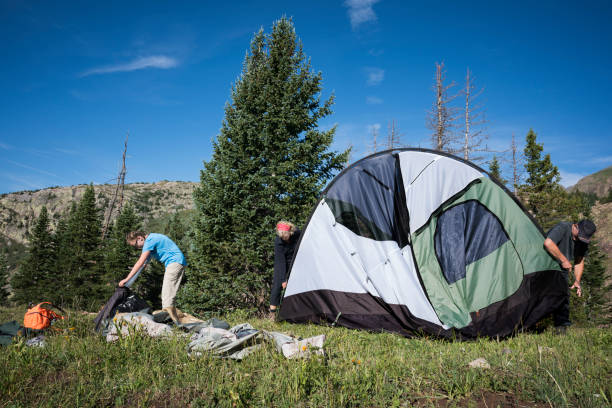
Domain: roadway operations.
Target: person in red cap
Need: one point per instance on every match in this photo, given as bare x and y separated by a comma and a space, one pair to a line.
568, 242
284, 247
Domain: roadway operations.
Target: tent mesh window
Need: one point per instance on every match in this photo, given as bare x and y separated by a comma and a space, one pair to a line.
464, 234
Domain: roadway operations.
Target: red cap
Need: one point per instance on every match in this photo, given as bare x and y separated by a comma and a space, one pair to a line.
283, 227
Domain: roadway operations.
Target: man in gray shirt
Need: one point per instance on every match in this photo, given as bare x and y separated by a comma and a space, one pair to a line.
567, 242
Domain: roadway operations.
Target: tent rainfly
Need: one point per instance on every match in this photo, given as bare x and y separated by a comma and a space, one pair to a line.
418, 241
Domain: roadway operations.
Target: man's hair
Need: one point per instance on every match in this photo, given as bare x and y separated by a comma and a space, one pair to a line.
133, 235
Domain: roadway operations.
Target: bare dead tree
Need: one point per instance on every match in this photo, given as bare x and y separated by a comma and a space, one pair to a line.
442, 116
516, 164
393, 136
374, 146
474, 136
118, 194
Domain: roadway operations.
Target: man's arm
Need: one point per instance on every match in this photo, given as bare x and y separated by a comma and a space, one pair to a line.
578, 269
139, 264
554, 250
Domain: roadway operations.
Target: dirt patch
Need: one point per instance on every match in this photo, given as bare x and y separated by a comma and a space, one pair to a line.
484, 399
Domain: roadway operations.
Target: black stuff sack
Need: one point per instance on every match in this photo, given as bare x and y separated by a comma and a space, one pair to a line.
122, 301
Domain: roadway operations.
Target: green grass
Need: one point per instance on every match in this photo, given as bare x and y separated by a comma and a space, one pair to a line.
78, 368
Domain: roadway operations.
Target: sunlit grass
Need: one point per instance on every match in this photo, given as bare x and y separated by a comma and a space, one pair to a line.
78, 368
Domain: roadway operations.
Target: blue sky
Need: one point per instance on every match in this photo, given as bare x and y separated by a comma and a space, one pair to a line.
78, 76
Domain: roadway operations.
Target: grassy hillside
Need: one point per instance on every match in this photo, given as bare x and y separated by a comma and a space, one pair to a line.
78, 368
598, 183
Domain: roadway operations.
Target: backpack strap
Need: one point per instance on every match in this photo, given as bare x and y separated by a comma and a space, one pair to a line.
52, 305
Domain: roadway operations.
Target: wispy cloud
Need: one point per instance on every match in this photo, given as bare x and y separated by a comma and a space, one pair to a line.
373, 100
605, 159
569, 179
375, 76
22, 183
374, 128
155, 61
360, 12
24, 166
66, 151
4, 146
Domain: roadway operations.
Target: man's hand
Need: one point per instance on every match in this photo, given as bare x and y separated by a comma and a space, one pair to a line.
567, 265
576, 286
284, 285
123, 282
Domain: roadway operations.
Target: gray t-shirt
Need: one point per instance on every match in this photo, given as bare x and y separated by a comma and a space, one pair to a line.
561, 234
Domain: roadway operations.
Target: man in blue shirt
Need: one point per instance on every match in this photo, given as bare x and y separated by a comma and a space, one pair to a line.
165, 251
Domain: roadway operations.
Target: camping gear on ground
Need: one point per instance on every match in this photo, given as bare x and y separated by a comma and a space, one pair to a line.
242, 340
122, 301
8, 331
39, 317
124, 324
213, 335
418, 241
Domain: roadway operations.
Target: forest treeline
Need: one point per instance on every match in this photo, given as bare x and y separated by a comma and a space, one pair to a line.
270, 161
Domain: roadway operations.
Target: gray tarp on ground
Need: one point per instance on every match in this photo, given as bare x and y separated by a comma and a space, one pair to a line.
243, 339
217, 337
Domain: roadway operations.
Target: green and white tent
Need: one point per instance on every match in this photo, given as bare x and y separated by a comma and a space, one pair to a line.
415, 240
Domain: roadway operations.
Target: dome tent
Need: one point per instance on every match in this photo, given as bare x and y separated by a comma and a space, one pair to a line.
418, 241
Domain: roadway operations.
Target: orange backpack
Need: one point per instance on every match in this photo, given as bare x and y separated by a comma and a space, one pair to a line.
39, 318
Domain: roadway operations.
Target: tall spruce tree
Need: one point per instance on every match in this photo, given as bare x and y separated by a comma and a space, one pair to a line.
34, 280
84, 266
542, 194
495, 170
4, 273
270, 161
119, 256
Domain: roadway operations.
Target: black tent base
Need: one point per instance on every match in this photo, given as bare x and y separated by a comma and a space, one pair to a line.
539, 295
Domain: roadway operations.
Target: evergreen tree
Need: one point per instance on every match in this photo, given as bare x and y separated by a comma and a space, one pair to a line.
63, 242
495, 170
593, 285
84, 266
119, 256
542, 194
4, 273
270, 161
34, 279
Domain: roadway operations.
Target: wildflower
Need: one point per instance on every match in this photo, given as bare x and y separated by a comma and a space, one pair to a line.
72, 328
358, 361
304, 348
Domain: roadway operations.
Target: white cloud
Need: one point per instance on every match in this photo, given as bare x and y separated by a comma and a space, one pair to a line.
375, 76
4, 146
373, 100
373, 127
360, 11
569, 179
605, 159
155, 61
31, 168
67, 151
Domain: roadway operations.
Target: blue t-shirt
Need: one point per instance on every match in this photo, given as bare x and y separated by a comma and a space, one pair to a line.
163, 249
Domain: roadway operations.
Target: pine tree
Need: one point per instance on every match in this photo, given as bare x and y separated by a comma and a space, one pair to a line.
84, 266
270, 161
495, 170
594, 286
119, 256
542, 194
4, 273
34, 279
